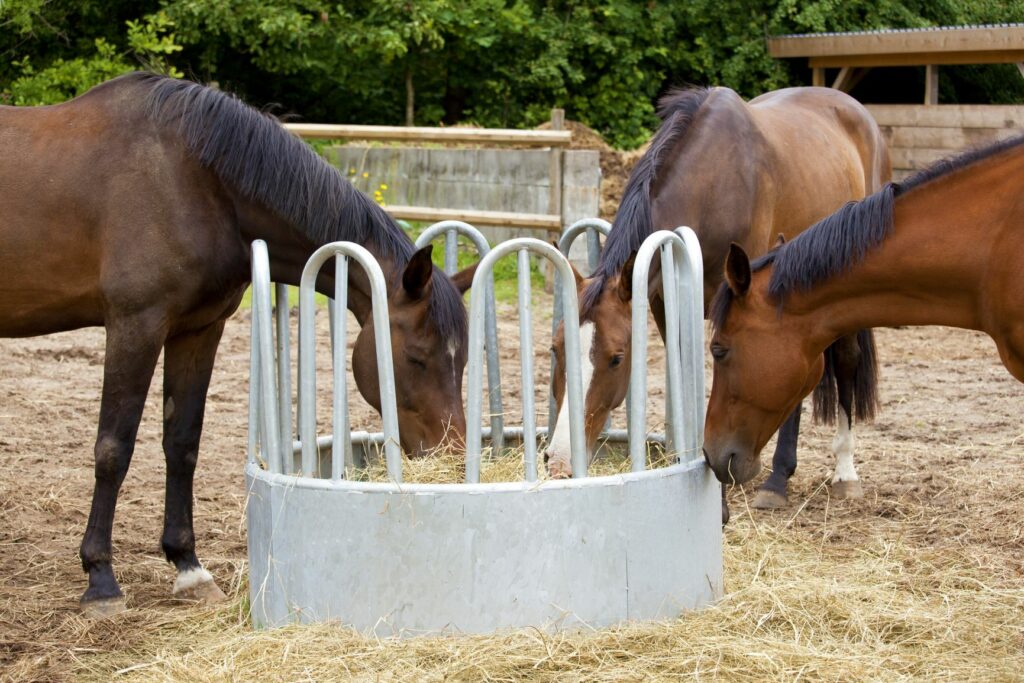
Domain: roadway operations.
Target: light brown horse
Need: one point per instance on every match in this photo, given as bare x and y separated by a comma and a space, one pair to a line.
133, 207
743, 172
945, 247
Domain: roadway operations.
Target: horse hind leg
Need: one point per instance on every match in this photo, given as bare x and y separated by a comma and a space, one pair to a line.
188, 364
132, 350
773, 493
845, 482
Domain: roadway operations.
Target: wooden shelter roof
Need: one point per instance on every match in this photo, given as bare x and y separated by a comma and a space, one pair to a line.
984, 44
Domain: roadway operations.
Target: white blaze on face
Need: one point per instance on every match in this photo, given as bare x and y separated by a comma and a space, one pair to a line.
452, 348
842, 447
559, 450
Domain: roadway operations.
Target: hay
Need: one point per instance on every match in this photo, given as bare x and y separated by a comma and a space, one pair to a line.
446, 465
797, 606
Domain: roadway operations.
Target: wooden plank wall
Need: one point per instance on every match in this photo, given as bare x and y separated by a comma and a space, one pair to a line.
920, 135
492, 180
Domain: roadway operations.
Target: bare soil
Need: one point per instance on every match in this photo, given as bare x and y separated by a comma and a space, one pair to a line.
941, 466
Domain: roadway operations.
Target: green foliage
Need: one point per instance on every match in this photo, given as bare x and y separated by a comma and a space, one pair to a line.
148, 41
490, 62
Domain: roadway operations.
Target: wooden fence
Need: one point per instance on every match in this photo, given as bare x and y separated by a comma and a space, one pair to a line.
920, 135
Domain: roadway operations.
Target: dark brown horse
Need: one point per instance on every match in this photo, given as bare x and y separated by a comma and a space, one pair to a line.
743, 172
945, 247
133, 207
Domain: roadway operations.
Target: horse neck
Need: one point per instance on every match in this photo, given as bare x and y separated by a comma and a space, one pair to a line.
932, 269
290, 247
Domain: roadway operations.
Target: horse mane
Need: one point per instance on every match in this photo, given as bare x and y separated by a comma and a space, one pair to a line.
633, 222
252, 153
836, 243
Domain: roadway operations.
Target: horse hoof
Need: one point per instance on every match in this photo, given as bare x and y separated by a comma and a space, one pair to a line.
102, 608
769, 500
206, 592
847, 489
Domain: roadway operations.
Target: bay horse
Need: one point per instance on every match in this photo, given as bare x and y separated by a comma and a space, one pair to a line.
133, 207
945, 247
733, 171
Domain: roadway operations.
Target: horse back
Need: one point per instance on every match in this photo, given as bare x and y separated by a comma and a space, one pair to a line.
94, 199
826, 150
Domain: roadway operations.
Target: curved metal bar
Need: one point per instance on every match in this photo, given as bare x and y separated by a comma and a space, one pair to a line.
692, 288
682, 293
494, 403
307, 351
574, 383
270, 440
593, 227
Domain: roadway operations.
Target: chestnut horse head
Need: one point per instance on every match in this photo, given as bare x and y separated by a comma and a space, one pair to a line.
766, 360
604, 364
733, 171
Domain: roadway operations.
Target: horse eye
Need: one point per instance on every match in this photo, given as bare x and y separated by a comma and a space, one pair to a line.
418, 363
718, 352
616, 360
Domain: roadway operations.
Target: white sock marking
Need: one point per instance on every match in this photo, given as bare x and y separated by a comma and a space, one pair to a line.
559, 449
190, 578
842, 447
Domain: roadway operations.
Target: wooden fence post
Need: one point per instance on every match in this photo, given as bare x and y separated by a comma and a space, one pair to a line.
555, 196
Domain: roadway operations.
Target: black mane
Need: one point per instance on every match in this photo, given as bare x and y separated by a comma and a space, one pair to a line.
633, 221
252, 153
838, 242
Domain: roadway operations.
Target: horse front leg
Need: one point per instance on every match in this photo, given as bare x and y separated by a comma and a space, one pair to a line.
132, 349
773, 493
188, 364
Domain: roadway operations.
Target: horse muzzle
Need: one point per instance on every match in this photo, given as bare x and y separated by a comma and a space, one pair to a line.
733, 464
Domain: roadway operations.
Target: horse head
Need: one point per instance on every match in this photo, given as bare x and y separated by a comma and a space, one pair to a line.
605, 317
428, 360
763, 368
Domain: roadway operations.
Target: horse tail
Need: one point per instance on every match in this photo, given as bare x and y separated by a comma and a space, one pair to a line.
863, 361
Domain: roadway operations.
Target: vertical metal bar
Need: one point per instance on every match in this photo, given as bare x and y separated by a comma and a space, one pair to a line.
594, 227
284, 371
637, 426
268, 388
593, 248
254, 381
341, 447
451, 252
526, 364
673, 348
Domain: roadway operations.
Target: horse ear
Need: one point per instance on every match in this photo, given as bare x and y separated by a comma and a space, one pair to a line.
418, 271
626, 279
464, 278
780, 240
737, 270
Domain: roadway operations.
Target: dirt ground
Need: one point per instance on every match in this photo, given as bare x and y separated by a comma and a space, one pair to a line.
941, 466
